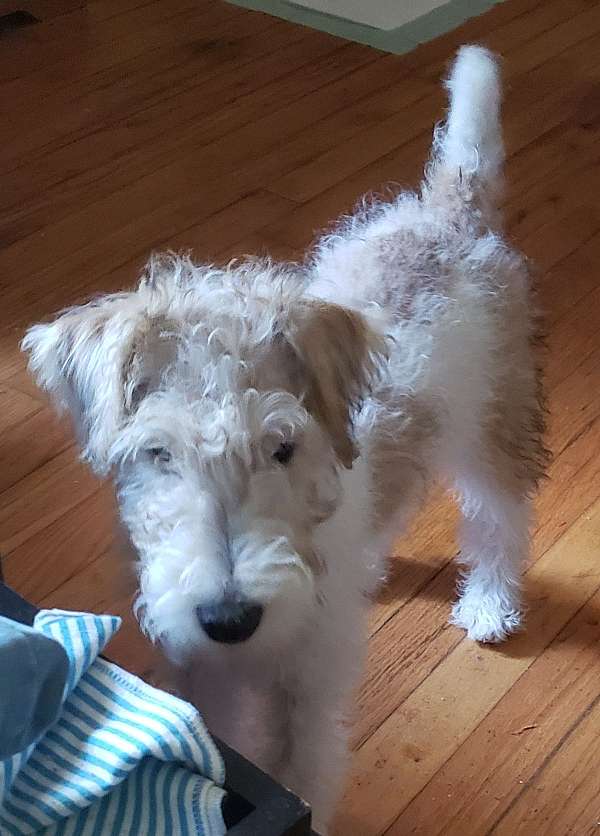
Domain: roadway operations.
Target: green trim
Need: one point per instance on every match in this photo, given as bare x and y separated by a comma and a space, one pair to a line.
398, 41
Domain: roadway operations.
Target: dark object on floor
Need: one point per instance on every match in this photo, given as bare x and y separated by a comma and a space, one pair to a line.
255, 805
31, 696
16, 20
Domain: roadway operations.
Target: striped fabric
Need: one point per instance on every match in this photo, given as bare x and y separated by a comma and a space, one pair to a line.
123, 758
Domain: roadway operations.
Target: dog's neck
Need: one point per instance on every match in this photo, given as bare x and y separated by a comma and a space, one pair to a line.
347, 535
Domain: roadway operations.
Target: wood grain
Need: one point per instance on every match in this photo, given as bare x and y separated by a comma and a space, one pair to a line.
131, 126
510, 748
438, 714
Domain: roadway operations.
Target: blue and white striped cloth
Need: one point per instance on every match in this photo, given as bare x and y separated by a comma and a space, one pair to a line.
123, 757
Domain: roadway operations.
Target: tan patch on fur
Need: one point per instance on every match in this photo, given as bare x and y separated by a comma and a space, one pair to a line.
517, 422
399, 472
152, 349
516, 428
339, 354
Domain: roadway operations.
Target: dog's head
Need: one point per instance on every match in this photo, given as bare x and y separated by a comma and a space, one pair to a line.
222, 400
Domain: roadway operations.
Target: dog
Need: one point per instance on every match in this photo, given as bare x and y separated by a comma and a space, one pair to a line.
271, 428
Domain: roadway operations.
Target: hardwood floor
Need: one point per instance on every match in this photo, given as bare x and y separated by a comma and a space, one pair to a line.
130, 126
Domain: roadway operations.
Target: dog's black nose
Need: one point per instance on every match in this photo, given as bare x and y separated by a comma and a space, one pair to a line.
230, 622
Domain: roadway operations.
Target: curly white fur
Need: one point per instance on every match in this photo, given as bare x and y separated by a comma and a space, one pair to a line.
403, 348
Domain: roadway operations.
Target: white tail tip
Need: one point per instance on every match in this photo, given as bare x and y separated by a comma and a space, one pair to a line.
472, 140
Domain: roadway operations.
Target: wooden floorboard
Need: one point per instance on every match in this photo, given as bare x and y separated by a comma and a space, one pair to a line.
133, 125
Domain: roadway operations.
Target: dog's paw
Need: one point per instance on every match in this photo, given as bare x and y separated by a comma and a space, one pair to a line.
486, 618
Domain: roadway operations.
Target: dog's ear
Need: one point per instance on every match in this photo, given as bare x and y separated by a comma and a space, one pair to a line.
339, 354
97, 361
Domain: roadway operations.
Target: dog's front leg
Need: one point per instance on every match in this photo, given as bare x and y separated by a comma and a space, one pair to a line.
314, 761
242, 705
319, 692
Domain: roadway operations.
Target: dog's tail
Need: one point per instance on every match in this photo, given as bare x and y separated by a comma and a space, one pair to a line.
468, 149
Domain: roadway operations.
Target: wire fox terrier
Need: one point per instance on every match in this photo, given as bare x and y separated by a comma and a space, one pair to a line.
271, 427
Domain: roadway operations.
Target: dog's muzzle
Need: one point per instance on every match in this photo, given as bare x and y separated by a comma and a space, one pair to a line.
230, 622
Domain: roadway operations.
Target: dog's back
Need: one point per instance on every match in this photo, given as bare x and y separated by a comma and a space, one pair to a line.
388, 252
462, 394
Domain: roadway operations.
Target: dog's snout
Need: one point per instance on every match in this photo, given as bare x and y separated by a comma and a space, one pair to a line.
230, 622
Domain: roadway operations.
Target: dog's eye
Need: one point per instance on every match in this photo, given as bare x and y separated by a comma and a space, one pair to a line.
284, 453
160, 455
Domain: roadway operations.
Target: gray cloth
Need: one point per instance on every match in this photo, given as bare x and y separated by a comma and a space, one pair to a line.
33, 674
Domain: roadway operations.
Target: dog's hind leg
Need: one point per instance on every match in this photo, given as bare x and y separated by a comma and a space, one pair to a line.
495, 482
494, 545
